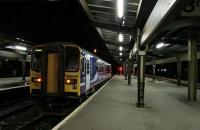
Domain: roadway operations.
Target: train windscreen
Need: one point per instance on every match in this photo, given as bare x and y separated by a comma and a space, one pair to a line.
37, 59
72, 57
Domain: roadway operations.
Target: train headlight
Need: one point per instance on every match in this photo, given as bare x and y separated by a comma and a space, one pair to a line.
71, 81
68, 81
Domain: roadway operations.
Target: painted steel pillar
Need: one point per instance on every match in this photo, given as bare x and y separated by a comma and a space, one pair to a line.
141, 78
154, 70
129, 72
179, 67
134, 70
24, 67
192, 67
125, 70
141, 55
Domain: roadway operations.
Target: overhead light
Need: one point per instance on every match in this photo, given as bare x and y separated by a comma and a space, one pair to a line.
95, 50
160, 45
120, 54
121, 37
130, 37
18, 38
22, 39
120, 48
38, 50
123, 22
120, 8
120, 59
21, 48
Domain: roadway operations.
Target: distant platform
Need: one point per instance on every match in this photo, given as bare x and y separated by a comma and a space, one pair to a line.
114, 108
13, 82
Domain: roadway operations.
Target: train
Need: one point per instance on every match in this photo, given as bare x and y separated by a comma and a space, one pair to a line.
65, 70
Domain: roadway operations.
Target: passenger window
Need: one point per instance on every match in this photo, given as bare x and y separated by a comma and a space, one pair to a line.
83, 65
88, 66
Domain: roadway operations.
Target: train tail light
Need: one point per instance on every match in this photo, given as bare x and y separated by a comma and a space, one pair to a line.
37, 79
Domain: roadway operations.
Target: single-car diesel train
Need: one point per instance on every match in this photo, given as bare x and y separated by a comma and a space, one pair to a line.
65, 70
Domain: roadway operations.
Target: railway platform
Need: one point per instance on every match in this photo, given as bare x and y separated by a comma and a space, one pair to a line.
114, 108
12, 89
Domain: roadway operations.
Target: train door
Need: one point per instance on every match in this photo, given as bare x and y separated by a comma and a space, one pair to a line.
52, 73
87, 72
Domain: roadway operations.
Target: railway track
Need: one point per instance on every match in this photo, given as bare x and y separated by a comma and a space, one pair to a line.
14, 107
27, 114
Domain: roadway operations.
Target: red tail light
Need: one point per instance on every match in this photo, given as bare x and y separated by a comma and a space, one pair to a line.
37, 79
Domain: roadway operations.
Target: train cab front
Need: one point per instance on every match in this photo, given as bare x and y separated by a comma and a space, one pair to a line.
72, 72
55, 71
36, 78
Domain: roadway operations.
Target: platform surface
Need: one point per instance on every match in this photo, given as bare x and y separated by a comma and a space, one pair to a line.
7, 83
113, 108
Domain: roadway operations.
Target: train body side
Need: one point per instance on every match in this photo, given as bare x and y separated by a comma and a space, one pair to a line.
90, 71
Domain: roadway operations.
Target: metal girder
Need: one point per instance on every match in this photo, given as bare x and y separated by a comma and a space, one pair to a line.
183, 57
144, 10
158, 15
86, 9
115, 44
163, 12
114, 27
117, 50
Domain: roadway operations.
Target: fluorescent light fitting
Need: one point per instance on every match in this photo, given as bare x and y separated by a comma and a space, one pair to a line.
121, 37
38, 50
120, 54
120, 48
123, 23
160, 45
120, 8
20, 48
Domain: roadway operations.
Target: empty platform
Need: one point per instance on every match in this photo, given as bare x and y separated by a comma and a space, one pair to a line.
113, 108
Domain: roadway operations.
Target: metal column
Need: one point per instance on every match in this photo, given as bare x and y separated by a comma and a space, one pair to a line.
141, 79
129, 72
134, 70
141, 72
179, 66
24, 67
154, 70
125, 70
192, 67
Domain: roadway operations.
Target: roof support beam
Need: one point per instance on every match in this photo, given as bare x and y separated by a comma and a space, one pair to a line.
183, 57
114, 27
159, 15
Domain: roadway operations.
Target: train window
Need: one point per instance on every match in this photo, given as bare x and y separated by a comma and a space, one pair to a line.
72, 59
37, 60
83, 65
88, 66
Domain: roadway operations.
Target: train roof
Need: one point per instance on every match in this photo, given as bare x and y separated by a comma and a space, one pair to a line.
71, 44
